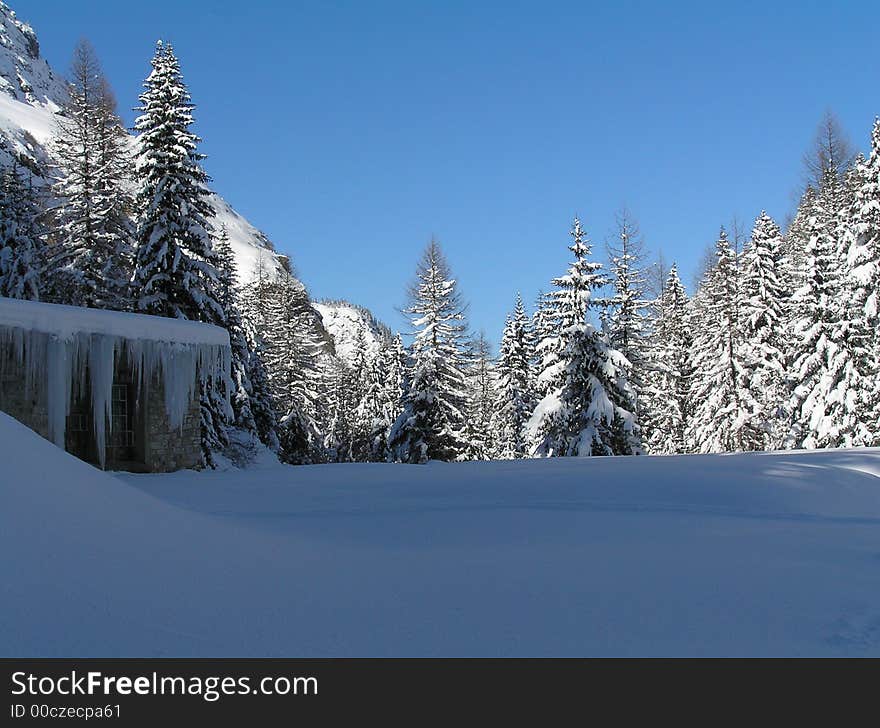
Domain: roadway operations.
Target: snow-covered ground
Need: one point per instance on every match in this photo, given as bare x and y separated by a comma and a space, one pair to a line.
765, 554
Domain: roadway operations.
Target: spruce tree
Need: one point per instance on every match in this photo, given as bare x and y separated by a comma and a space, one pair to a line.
516, 388
480, 429
378, 405
721, 408
824, 373
280, 313
22, 242
669, 408
175, 268
764, 340
431, 425
175, 273
362, 368
248, 392
794, 244
589, 409
544, 334
863, 256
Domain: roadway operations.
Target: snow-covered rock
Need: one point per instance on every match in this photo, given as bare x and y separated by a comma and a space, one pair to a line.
24, 74
344, 321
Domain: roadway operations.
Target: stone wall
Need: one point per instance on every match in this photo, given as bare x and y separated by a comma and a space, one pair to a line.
161, 448
27, 405
169, 448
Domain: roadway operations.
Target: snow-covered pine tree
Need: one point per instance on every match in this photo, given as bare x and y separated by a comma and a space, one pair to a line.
227, 276
249, 395
479, 426
516, 387
254, 314
863, 257
627, 323
261, 404
22, 241
825, 371
398, 377
175, 268
280, 313
431, 425
340, 429
175, 272
668, 406
545, 334
378, 407
93, 251
764, 341
795, 241
720, 406
358, 447
589, 409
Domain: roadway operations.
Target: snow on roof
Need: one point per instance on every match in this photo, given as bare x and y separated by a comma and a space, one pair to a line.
66, 322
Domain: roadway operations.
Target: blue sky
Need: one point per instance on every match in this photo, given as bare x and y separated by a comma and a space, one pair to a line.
350, 132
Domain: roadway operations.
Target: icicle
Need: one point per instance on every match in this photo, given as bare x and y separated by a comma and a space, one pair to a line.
59, 377
59, 347
101, 356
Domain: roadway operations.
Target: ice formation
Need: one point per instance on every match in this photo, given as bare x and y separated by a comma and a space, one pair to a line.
75, 350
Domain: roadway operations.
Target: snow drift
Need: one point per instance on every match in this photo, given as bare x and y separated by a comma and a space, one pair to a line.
772, 554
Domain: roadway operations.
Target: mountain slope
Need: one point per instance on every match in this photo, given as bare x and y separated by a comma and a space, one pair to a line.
31, 95
344, 320
34, 93
24, 75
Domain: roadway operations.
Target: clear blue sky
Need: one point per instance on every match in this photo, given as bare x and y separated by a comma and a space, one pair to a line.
350, 132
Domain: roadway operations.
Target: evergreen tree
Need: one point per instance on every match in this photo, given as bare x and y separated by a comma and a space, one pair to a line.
175, 269
431, 425
175, 272
355, 400
251, 404
669, 408
825, 376
863, 256
261, 404
92, 259
588, 410
544, 334
763, 335
795, 243
341, 438
280, 313
516, 395
21, 238
479, 427
227, 276
721, 408
378, 406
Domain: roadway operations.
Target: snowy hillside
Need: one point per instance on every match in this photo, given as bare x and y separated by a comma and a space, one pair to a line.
344, 321
33, 93
24, 75
766, 554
